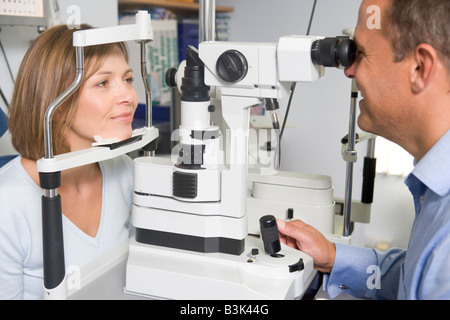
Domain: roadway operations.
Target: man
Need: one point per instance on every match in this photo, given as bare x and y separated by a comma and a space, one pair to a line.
403, 72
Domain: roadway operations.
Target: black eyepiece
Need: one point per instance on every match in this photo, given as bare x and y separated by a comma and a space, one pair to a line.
333, 52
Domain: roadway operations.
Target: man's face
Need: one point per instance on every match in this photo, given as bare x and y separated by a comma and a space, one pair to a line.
382, 82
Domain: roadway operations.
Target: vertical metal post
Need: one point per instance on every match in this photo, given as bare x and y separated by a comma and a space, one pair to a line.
148, 92
52, 228
350, 157
207, 20
371, 148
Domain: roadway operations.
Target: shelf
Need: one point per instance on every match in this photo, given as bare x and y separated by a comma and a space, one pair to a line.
172, 5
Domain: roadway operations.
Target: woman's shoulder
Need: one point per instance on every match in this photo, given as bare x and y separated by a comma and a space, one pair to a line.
11, 165
19, 194
13, 176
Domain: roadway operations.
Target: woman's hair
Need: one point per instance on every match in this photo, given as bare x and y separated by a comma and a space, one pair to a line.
408, 23
47, 70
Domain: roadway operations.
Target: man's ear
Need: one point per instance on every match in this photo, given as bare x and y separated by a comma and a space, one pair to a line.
425, 60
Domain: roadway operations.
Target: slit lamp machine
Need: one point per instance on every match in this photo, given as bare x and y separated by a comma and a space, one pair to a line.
196, 213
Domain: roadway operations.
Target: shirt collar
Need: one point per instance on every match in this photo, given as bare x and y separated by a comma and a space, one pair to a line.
433, 169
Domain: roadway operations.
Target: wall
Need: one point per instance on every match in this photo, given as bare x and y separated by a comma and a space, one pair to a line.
320, 111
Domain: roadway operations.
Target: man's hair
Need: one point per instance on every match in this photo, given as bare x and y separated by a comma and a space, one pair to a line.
408, 23
48, 69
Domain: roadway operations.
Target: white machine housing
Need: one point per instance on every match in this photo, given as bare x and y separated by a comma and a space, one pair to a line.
221, 189
272, 67
291, 195
166, 225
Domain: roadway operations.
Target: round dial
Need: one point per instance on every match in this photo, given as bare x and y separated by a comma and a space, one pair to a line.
232, 66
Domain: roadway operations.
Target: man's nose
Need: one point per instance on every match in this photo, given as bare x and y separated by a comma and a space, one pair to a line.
350, 70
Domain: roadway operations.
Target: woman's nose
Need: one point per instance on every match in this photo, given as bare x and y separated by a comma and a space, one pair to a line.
126, 93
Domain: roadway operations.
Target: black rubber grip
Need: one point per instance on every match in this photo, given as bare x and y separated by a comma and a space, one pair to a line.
53, 245
269, 234
50, 180
369, 173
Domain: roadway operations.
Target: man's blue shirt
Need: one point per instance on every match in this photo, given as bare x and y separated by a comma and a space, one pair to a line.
423, 270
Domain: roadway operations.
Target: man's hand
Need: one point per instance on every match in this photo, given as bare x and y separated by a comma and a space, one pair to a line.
299, 235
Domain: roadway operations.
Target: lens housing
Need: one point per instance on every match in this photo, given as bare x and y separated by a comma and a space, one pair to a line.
333, 51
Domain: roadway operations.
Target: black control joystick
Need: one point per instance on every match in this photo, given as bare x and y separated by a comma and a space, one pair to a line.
269, 235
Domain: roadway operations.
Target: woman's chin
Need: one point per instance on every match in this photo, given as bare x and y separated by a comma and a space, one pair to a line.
122, 133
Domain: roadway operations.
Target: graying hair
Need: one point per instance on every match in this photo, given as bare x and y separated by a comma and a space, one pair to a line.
408, 23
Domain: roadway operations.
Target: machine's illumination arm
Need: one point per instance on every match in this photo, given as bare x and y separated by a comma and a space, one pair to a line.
266, 70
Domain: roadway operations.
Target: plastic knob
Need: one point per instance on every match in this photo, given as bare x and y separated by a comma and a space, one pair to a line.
232, 66
171, 77
269, 234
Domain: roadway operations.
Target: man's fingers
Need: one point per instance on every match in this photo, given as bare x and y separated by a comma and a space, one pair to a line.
292, 229
289, 233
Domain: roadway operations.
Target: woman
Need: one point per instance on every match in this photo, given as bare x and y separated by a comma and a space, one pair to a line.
96, 198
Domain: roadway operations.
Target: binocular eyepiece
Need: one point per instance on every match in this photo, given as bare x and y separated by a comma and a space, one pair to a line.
334, 52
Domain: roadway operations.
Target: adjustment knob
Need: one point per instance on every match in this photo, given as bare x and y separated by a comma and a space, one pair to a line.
232, 66
269, 234
171, 77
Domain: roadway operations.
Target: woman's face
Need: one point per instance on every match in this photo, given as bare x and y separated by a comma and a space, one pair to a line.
106, 104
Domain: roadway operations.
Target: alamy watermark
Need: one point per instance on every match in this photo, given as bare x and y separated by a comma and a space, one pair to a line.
73, 20
374, 280
232, 147
73, 276
374, 20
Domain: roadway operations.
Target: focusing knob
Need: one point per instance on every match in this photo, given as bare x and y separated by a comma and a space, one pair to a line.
171, 77
232, 66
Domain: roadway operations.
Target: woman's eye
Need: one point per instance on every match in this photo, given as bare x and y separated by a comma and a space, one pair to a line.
129, 80
102, 83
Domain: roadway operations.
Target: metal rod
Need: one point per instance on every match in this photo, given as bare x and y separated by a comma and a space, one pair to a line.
52, 230
48, 147
350, 158
371, 148
148, 92
207, 20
